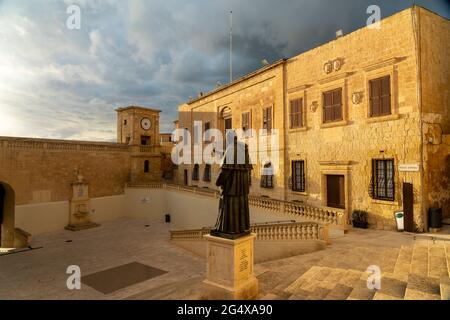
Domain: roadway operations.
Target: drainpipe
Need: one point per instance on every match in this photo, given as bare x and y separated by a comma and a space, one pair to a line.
416, 30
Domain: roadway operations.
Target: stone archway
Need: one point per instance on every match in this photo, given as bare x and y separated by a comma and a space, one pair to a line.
7, 215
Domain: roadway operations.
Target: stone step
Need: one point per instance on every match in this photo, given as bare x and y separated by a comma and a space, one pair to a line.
403, 264
393, 287
303, 279
419, 260
422, 288
444, 285
360, 290
437, 260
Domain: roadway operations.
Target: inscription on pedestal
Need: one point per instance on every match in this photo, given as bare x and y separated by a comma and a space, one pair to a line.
243, 260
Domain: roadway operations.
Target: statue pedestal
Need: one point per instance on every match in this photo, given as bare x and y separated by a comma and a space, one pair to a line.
229, 273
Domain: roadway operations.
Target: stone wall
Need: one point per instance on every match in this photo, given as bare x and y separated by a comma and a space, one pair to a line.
41, 170
435, 92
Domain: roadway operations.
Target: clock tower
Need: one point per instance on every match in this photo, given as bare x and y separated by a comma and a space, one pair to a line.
139, 128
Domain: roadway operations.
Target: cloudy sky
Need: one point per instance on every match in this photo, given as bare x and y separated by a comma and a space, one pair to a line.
65, 84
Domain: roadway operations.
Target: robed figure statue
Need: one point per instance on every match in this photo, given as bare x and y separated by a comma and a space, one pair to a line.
234, 180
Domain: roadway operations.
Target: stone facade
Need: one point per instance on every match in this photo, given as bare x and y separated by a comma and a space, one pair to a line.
409, 48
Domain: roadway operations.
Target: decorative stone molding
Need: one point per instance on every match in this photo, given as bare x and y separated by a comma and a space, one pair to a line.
357, 97
337, 64
299, 88
313, 107
333, 65
383, 63
328, 67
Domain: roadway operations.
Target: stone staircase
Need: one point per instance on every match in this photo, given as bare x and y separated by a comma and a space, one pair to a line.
417, 272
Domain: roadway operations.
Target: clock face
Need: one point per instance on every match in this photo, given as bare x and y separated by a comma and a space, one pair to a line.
146, 123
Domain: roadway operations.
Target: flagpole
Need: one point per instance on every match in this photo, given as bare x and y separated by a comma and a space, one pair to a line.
231, 46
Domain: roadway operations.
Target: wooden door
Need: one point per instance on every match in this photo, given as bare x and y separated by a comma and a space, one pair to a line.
335, 191
408, 202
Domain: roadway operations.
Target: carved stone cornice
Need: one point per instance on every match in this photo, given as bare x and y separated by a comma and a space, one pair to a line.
335, 78
299, 88
383, 63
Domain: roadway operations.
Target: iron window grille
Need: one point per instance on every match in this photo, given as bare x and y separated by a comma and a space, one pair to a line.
382, 185
298, 176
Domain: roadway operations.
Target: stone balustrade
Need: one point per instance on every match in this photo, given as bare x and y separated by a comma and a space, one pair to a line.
269, 232
332, 216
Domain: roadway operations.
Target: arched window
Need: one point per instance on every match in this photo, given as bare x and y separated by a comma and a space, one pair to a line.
146, 166
267, 176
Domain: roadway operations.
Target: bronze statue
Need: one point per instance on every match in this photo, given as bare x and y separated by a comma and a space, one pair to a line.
234, 179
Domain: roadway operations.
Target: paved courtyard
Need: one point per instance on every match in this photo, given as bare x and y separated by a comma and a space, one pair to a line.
41, 273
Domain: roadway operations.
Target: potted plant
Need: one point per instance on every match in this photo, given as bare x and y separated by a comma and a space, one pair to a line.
359, 219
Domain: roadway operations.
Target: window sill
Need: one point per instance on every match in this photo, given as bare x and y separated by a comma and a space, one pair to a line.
294, 130
385, 202
299, 193
340, 123
389, 117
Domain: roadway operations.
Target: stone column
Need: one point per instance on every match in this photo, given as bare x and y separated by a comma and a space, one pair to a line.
230, 269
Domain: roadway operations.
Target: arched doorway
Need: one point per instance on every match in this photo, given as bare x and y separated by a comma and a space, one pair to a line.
7, 216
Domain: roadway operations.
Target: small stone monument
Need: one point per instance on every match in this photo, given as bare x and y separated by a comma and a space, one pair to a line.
230, 245
79, 218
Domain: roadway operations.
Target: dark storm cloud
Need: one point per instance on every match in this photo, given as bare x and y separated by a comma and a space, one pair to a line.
151, 53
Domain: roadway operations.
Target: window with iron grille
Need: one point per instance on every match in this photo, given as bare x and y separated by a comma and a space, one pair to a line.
146, 166
295, 114
195, 172
267, 119
298, 175
207, 173
380, 96
382, 183
267, 177
332, 105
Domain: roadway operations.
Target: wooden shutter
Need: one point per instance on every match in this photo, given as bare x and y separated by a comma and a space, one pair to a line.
380, 96
385, 95
295, 114
327, 107
337, 104
375, 109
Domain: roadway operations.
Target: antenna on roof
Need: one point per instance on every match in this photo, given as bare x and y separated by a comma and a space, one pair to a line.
265, 62
339, 33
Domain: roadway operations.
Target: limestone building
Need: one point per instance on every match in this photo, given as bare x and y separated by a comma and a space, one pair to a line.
364, 122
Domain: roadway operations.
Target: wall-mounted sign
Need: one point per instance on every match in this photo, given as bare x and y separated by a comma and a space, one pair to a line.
409, 167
